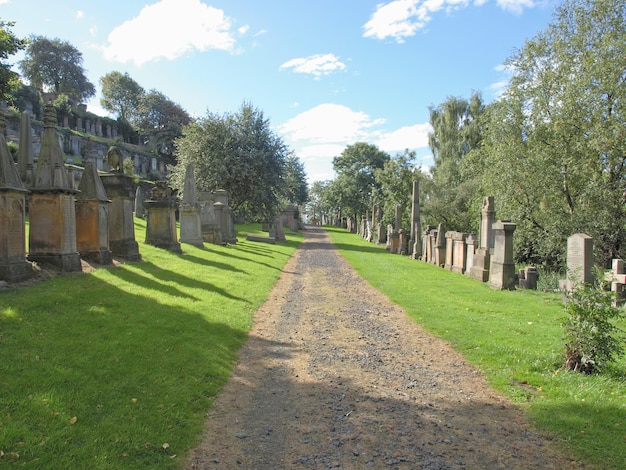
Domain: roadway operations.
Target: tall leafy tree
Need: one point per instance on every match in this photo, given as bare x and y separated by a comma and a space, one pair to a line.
120, 94
557, 140
355, 168
9, 45
57, 65
295, 187
238, 152
457, 131
160, 122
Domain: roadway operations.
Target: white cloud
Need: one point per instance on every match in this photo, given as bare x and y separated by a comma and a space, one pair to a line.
80, 14
408, 137
318, 65
328, 123
169, 29
400, 19
515, 6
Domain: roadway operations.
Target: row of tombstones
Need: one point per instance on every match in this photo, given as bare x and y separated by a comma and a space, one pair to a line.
93, 222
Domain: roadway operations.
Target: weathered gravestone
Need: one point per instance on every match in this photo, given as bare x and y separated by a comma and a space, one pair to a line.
13, 264
579, 262
190, 226
140, 210
617, 278
480, 265
92, 217
502, 267
161, 218
440, 246
458, 252
120, 189
528, 278
227, 223
415, 244
52, 236
276, 230
470, 249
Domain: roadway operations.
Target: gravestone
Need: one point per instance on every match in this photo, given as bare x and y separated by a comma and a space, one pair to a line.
189, 210
528, 278
440, 246
449, 251
120, 189
617, 278
227, 224
502, 268
25, 154
208, 225
579, 261
140, 209
481, 263
14, 266
470, 250
402, 242
92, 217
416, 226
458, 252
381, 233
161, 218
427, 246
276, 230
51, 204
218, 208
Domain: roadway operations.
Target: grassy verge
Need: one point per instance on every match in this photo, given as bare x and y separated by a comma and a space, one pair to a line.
515, 338
117, 368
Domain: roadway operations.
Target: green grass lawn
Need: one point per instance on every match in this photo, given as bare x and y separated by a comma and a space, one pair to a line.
116, 369
515, 338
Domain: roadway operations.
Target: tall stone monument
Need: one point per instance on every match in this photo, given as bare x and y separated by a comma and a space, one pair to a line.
480, 266
502, 268
189, 210
92, 217
415, 244
51, 204
25, 155
227, 224
161, 218
13, 264
579, 261
120, 189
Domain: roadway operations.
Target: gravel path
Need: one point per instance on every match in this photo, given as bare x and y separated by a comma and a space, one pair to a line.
336, 376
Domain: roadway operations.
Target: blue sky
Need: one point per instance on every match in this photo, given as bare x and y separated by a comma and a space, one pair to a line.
326, 73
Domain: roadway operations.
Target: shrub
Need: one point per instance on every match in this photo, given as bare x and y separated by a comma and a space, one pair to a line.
591, 339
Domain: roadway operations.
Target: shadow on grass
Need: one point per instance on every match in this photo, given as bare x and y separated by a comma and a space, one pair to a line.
102, 381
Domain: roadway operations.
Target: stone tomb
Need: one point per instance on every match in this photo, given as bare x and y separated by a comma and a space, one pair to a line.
481, 263
189, 210
617, 278
161, 218
13, 264
502, 267
92, 217
52, 210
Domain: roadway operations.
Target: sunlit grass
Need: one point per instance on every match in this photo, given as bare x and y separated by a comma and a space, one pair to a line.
117, 368
515, 338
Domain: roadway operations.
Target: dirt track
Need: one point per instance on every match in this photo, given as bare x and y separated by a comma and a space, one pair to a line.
335, 376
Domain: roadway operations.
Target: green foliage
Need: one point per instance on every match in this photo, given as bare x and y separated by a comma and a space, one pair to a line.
295, 187
101, 370
556, 141
9, 45
395, 180
515, 339
120, 94
357, 187
57, 65
237, 152
592, 341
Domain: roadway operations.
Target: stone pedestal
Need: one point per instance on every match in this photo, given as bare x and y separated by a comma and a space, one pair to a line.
13, 264
189, 210
502, 268
458, 252
440, 247
161, 219
120, 189
92, 218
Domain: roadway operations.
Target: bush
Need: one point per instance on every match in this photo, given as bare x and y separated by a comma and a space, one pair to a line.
591, 340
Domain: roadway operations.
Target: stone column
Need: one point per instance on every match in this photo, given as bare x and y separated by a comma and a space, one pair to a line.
502, 268
480, 265
415, 245
440, 246
13, 264
470, 249
25, 155
218, 208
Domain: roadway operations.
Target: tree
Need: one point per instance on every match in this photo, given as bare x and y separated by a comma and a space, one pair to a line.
355, 169
9, 45
57, 65
120, 94
556, 142
316, 208
396, 185
295, 187
160, 122
237, 152
457, 131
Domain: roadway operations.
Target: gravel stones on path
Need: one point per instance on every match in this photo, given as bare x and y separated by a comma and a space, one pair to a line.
335, 376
